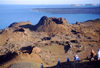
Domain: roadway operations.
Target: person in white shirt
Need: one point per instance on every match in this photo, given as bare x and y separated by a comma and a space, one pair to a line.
98, 54
76, 58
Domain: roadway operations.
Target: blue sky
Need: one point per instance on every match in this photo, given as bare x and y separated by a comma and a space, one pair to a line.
49, 1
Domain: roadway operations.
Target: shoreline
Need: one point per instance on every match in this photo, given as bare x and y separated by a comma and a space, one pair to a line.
69, 10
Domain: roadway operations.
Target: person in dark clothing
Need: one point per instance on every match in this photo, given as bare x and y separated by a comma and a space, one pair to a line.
92, 55
58, 64
67, 60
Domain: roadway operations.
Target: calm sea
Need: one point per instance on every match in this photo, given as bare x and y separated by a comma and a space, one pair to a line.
17, 13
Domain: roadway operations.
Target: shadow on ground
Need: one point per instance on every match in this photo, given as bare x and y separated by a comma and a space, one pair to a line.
5, 58
29, 26
27, 49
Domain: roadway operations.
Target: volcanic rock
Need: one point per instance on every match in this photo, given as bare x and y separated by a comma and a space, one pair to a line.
51, 39
52, 25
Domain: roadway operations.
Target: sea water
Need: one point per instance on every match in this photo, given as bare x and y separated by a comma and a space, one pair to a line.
17, 13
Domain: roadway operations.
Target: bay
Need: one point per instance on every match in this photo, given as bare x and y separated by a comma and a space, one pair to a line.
17, 13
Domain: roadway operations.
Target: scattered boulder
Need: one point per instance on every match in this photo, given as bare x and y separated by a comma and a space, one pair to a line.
78, 51
20, 30
78, 23
27, 49
74, 41
11, 25
67, 47
64, 43
78, 46
46, 38
74, 32
36, 50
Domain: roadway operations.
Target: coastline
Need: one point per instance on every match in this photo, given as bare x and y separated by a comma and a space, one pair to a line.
69, 10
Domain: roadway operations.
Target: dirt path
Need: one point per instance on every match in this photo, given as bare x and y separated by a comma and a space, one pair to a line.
24, 61
24, 65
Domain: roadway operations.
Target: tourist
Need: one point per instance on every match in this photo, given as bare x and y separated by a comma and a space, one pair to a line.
76, 58
67, 60
58, 62
92, 55
41, 65
98, 54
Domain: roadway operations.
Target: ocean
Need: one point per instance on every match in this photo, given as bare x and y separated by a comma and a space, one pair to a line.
33, 13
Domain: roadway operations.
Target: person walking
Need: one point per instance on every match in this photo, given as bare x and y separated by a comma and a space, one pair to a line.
58, 64
92, 55
76, 58
41, 65
67, 60
98, 55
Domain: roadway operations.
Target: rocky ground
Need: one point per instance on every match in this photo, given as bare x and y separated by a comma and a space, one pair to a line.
51, 39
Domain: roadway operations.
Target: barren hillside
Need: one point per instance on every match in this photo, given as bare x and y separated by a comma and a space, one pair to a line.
51, 39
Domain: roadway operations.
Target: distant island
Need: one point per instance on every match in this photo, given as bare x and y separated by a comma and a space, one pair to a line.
70, 10
52, 39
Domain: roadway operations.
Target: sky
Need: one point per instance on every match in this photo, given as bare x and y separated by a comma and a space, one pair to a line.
49, 2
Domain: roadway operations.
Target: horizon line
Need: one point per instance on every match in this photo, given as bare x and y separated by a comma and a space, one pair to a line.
50, 4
